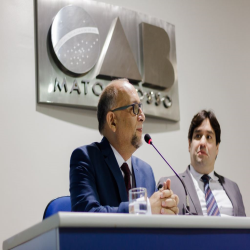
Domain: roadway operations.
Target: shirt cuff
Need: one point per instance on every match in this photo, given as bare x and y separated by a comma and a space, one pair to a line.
149, 207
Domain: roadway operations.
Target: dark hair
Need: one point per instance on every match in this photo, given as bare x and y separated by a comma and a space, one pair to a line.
106, 102
199, 118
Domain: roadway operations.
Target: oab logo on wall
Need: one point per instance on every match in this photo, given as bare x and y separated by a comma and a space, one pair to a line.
82, 47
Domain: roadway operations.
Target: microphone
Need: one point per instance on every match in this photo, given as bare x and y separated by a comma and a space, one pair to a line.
148, 140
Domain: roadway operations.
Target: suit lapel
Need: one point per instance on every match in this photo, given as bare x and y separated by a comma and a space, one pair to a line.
114, 168
193, 197
226, 187
138, 177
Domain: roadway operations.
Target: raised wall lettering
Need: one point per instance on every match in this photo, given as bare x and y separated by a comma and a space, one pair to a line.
75, 87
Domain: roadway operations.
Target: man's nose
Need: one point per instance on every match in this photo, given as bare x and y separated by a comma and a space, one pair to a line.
141, 116
203, 140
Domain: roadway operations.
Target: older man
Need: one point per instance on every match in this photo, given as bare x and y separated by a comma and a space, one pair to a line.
210, 193
102, 173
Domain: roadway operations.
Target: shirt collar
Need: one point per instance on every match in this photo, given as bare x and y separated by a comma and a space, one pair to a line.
198, 176
120, 160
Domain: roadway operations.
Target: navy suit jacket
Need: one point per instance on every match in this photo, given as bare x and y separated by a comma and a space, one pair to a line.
96, 181
230, 187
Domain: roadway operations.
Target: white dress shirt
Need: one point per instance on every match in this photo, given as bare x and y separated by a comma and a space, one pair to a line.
224, 204
120, 161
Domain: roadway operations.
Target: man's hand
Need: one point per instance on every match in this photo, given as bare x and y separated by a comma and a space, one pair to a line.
164, 201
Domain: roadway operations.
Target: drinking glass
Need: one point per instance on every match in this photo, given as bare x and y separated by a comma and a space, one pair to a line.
138, 200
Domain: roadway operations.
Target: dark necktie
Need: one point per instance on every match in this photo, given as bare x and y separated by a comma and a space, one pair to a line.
126, 171
212, 207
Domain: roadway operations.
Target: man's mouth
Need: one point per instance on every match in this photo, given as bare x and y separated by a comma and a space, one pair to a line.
202, 152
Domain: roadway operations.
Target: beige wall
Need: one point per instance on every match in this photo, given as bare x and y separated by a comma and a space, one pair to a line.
36, 141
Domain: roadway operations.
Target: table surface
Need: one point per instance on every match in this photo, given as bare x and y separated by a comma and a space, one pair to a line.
95, 220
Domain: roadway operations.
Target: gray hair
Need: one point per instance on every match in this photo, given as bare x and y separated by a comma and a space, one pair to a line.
106, 102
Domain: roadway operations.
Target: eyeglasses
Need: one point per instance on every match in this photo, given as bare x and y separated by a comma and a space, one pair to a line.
136, 108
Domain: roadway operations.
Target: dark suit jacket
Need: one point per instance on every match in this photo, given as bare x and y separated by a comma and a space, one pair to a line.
96, 181
230, 187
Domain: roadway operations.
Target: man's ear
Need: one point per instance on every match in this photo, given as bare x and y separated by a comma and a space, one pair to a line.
189, 145
111, 121
217, 149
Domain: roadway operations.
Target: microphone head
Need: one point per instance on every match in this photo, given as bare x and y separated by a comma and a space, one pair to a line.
148, 139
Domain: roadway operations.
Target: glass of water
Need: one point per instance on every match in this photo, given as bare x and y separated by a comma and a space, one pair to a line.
138, 201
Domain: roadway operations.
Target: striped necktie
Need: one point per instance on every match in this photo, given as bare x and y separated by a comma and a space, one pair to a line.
212, 207
126, 171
